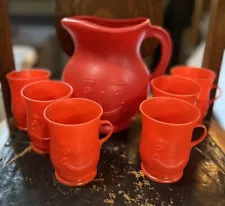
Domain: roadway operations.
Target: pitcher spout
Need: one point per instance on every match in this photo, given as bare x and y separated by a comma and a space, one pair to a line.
75, 26
68, 23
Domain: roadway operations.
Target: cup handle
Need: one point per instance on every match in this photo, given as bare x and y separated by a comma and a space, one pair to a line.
166, 45
220, 92
104, 139
202, 137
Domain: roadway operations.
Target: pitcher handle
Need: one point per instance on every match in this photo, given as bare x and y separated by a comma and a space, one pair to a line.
194, 143
104, 139
220, 92
166, 48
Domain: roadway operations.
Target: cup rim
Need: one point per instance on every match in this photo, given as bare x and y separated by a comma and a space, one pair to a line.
177, 77
73, 125
46, 73
166, 123
46, 101
195, 68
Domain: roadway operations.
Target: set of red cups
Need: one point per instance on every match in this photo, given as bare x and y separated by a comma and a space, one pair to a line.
44, 108
179, 104
68, 128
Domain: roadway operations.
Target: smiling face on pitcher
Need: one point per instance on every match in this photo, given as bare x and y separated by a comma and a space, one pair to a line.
112, 97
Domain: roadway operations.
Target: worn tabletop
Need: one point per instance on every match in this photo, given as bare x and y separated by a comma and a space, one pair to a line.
30, 180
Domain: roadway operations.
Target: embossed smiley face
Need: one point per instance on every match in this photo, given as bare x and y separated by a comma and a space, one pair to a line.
112, 96
166, 156
38, 126
76, 160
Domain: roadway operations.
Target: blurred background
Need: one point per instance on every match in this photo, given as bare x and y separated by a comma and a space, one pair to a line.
33, 30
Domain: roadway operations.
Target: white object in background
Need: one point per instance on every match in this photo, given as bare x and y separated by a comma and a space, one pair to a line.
24, 56
196, 58
2, 107
4, 129
219, 105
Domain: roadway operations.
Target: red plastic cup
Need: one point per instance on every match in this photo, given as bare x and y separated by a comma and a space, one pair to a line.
177, 87
75, 146
203, 107
180, 88
38, 96
165, 145
17, 80
204, 77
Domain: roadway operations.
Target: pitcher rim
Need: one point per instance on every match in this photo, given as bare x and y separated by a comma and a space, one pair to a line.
145, 21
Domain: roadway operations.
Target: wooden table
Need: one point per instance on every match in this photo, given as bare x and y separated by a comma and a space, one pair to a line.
30, 179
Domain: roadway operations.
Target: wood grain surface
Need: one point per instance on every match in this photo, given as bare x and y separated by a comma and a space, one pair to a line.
6, 55
215, 43
217, 133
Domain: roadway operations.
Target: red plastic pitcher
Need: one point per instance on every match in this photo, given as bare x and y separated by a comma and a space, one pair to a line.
17, 80
177, 87
38, 96
107, 66
165, 145
75, 145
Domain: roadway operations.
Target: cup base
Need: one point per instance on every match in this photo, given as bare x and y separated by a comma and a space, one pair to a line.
24, 129
104, 129
161, 180
39, 151
85, 180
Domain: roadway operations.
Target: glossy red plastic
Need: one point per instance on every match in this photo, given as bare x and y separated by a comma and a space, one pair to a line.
107, 67
75, 145
38, 96
165, 145
204, 77
177, 87
17, 80
180, 88
203, 107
